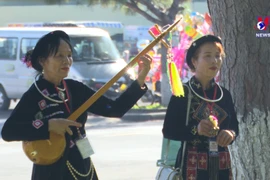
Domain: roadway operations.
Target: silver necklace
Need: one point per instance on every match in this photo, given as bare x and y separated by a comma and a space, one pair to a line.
207, 100
60, 89
61, 95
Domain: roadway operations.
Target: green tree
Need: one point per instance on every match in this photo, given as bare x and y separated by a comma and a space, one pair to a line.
246, 73
161, 12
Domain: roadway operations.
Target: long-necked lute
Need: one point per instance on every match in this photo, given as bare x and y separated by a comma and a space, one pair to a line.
46, 152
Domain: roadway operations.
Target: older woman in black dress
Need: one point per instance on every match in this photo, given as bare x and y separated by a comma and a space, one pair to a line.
50, 100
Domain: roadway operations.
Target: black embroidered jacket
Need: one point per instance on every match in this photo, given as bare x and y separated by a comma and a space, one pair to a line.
29, 121
197, 146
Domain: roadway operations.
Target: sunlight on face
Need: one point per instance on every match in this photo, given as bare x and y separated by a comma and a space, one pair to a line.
208, 61
56, 67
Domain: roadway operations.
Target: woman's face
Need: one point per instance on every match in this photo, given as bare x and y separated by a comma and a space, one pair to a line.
57, 66
208, 61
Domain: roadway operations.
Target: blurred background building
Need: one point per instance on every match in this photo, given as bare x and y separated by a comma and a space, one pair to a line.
18, 11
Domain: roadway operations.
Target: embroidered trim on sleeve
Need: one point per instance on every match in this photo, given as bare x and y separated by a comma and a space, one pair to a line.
37, 123
42, 104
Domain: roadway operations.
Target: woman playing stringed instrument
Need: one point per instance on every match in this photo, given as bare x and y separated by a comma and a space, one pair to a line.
51, 99
212, 124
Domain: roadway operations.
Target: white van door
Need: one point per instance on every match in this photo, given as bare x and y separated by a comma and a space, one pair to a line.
8, 61
26, 74
15, 76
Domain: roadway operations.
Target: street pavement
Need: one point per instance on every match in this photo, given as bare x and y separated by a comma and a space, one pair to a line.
124, 150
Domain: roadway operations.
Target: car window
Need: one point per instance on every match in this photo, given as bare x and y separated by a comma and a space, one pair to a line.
8, 48
98, 48
26, 45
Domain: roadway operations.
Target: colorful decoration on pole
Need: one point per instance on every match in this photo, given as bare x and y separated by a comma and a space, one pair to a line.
192, 26
173, 74
192, 32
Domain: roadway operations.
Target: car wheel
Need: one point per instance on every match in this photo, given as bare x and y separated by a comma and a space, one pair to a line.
4, 100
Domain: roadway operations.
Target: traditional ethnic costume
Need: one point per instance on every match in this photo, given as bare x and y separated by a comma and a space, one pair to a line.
196, 159
29, 122
201, 161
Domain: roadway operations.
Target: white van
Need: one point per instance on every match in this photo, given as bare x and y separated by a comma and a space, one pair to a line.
96, 60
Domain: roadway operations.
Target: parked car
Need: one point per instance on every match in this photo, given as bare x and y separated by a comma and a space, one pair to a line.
96, 60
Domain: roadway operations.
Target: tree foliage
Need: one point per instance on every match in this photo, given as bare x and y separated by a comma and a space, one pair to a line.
160, 12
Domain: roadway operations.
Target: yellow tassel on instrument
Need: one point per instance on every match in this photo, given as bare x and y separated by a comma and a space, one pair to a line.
175, 80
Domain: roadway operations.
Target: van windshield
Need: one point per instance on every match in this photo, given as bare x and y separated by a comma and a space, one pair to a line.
95, 48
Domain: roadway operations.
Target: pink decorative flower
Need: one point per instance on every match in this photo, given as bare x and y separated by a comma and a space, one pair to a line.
27, 62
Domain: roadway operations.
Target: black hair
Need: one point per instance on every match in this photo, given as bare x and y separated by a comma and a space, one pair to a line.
46, 46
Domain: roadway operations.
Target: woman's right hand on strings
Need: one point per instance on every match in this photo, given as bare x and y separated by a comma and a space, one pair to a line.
205, 128
61, 126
